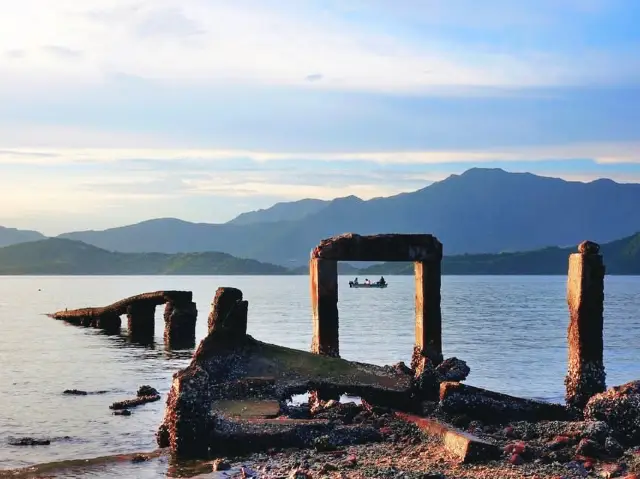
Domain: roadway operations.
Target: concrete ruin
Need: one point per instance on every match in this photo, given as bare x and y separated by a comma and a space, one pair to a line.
585, 297
426, 253
233, 396
180, 316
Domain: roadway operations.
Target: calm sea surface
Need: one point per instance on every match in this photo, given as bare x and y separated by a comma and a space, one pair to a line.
510, 330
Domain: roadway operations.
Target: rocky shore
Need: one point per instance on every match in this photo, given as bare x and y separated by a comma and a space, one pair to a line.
548, 449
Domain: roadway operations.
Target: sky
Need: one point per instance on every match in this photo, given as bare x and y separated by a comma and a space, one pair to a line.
117, 111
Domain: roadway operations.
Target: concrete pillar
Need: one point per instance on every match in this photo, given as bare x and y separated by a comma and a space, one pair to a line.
585, 297
229, 312
110, 322
324, 305
428, 328
141, 320
180, 325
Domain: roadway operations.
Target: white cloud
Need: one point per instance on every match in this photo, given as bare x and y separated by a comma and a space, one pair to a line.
603, 153
267, 42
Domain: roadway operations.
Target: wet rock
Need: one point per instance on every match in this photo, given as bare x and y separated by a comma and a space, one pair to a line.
129, 403
589, 448
28, 441
122, 412
613, 447
138, 458
492, 407
147, 391
75, 392
426, 381
401, 367
452, 369
619, 407
220, 465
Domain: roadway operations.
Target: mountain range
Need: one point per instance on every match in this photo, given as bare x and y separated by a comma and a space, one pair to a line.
479, 211
57, 256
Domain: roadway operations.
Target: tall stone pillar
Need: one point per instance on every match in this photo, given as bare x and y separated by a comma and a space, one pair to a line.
180, 324
428, 327
324, 305
585, 297
141, 318
229, 312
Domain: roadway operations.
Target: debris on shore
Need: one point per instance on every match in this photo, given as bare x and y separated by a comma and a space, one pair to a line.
145, 395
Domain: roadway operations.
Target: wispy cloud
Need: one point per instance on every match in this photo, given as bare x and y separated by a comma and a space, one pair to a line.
63, 52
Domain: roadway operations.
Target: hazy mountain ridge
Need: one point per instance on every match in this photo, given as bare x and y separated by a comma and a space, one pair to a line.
480, 211
10, 236
284, 211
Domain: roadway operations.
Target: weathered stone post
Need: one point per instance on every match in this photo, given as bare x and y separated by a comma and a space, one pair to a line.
324, 305
141, 318
229, 312
110, 322
585, 297
428, 327
180, 324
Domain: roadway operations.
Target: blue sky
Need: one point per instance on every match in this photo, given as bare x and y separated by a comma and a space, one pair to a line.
115, 111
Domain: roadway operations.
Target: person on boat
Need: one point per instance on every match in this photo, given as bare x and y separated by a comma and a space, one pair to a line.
382, 281
355, 281
366, 281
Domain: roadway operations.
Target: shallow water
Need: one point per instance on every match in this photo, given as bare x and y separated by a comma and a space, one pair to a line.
510, 330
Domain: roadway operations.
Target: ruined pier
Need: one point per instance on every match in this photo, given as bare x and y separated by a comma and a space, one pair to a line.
180, 316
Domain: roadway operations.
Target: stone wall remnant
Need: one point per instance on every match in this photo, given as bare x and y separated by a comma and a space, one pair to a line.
585, 298
140, 311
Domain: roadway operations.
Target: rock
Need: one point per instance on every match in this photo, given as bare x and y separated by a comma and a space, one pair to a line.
516, 460
619, 407
323, 443
401, 367
122, 412
328, 467
140, 458
426, 382
493, 407
559, 442
128, 403
220, 465
75, 392
452, 369
28, 441
147, 391
589, 448
613, 447
589, 247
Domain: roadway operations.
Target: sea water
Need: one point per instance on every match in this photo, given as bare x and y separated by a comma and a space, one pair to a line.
511, 330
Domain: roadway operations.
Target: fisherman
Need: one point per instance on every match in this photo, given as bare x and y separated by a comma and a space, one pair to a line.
355, 281
366, 281
382, 281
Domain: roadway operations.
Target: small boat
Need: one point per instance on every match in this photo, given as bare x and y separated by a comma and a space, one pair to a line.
369, 285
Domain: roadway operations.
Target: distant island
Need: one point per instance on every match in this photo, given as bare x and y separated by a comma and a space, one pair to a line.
56, 256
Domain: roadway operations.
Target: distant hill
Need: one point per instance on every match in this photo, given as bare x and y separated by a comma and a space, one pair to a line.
480, 211
621, 257
66, 257
291, 211
9, 236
